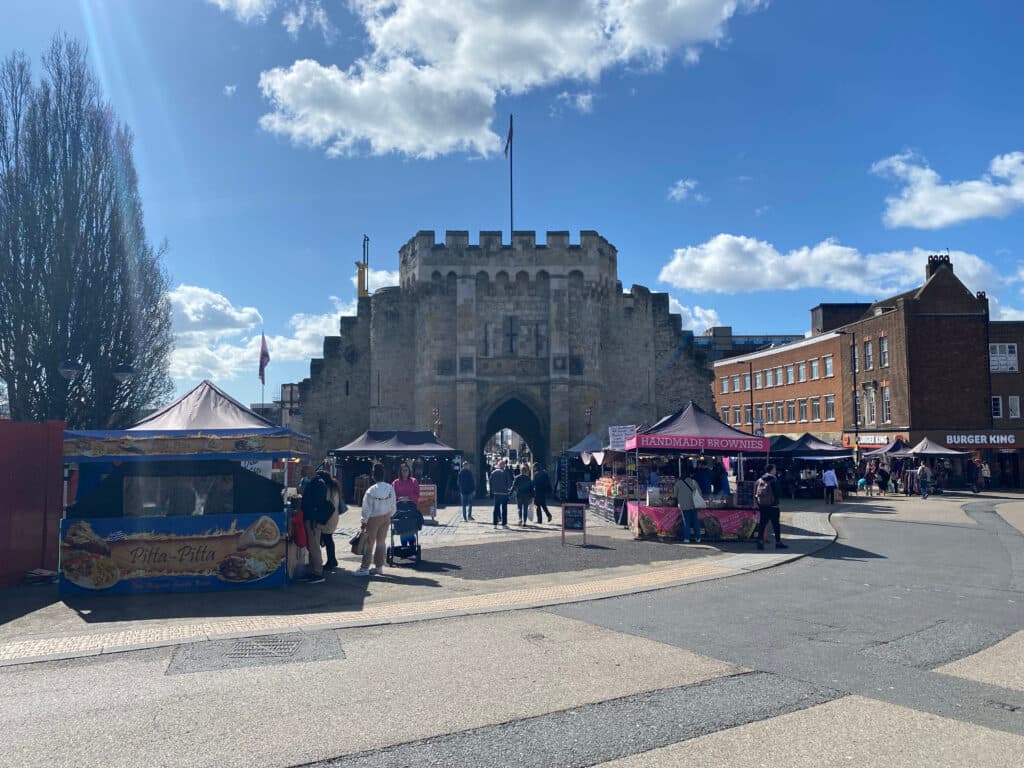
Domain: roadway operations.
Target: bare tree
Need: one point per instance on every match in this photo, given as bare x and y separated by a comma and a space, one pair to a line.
79, 283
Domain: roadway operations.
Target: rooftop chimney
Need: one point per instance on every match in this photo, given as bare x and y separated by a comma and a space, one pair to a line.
937, 262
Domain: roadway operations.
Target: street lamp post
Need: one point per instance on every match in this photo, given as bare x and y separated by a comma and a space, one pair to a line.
856, 392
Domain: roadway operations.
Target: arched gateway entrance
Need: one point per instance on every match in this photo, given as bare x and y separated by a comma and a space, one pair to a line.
516, 415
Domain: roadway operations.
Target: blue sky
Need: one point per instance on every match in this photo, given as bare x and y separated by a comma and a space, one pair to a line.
750, 158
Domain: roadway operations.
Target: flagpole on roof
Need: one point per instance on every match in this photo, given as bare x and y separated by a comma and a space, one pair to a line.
508, 154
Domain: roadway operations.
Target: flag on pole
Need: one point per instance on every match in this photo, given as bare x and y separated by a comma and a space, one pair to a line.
264, 358
508, 140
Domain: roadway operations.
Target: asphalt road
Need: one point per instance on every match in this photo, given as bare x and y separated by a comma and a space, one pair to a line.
832, 658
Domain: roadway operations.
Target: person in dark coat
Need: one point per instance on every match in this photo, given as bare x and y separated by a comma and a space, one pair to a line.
541, 489
522, 489
768, 506
467, 488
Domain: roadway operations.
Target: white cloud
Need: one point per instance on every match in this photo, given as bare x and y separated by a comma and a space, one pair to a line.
308, 13
229, 90
737, 264
216, 340
246, 10
433, 71
683, 189
582, 102
377, 278
761, 210
697, 319
925, 202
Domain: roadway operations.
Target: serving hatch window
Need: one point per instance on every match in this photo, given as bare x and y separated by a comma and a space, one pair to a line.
178, 495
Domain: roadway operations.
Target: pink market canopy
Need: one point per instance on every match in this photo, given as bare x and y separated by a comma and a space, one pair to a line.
692, 429
206, 423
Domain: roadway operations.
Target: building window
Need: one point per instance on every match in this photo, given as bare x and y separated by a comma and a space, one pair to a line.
725, 385
769, 378
1013, 406
886, 399
830, 407
736, 415
780, 413
346, 387
855, 358
778, 377
758, 412
803, 409
815, 369
746, 382
869, 355
801, 371
1002, 358
883, 351
746, 414
997, 407
790, 378
828, 366
870, 406
815, 409
757, 379
791, 410
769, 413
725, 414
736, 383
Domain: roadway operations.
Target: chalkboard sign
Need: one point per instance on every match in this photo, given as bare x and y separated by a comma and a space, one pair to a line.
745, 494
574, 518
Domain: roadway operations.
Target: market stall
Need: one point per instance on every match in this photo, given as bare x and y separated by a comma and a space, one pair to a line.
430, 459
578, 468
801, 465
172, 508
692, 431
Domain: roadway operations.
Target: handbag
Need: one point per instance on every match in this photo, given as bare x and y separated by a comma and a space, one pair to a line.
354, 544
699, 502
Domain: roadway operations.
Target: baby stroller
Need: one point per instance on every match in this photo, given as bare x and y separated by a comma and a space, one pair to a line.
405, 524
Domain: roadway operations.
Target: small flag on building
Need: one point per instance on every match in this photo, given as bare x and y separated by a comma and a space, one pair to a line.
264, 359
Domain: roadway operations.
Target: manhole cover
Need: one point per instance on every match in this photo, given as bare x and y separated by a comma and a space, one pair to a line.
267, 650
265, 647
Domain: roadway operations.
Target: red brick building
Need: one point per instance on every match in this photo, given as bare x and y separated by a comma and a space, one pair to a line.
927, 362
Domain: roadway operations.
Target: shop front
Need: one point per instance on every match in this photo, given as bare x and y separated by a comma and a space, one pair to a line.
995, 452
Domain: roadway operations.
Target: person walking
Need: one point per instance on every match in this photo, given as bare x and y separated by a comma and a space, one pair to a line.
766, 494
522, 489
316, 511
986, 475
831, 482
467, 489
924, 479
338, 506
541, 489
685, 486
882, 478
378, 507
501, 483
869, 479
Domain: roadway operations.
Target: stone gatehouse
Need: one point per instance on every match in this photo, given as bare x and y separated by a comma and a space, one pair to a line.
477, 338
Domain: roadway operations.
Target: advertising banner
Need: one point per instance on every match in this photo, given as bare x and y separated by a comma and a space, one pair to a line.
697, 443
172, 554
716, 524
427, 504
617, 436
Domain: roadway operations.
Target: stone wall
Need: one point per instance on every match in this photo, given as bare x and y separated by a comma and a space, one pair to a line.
473, 326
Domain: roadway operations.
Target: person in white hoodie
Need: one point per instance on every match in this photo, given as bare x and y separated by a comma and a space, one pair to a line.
378, 507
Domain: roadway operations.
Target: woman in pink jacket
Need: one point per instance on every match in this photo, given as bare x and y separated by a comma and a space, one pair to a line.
407, 488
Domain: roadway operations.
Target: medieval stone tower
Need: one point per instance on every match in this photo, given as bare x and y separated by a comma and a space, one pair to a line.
488, 336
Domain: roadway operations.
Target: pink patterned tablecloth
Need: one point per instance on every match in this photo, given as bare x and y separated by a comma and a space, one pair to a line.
716, 524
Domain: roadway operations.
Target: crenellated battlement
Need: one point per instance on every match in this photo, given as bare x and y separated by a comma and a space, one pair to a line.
423, 256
